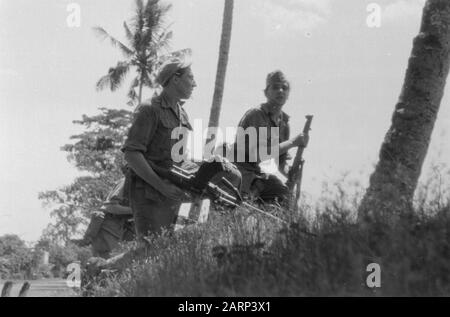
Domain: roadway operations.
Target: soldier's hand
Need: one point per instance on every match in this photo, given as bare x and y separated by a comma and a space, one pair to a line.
301, 140
172, 192
189, 165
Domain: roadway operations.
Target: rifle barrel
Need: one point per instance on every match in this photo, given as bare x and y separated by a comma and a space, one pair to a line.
264, 213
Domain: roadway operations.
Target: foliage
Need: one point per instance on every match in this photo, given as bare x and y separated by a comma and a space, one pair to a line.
96, 152
22, 262
240, 253
15, 256
147, 40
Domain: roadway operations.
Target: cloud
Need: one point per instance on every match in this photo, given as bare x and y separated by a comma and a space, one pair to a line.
402, 9
292, 15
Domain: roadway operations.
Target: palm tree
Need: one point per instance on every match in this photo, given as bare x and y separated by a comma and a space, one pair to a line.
403, 151
146, 39
222, 63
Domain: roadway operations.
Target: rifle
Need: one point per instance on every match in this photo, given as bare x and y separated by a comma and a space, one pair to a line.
296, 171
190, 182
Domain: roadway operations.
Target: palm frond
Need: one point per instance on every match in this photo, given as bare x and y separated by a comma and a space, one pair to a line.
103, 82
131, 103
103, 35
115, 76
139, 6
132, 95
137, 22
154, 20
128, 33
148, 82
151, 13
148, 38
132, 92
159, 46
163, 41
152, 81
155, 13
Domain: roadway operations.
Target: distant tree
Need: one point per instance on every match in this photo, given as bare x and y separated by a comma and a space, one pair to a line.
147, 40
405, 146
95, 152
16, 257
4, 268
10, 243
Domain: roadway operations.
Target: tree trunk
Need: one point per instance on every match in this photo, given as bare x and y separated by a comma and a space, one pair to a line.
141, 85
222, 64
405, 146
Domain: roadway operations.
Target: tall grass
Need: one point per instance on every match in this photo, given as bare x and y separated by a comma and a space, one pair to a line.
241, 253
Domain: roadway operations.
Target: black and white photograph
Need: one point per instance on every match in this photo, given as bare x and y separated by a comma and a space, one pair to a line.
225, 153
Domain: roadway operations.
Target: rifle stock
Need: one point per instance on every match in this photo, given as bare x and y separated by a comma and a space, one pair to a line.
295, 172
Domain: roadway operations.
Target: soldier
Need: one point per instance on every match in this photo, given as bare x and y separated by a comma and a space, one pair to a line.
267, 187
155, 201
112, 224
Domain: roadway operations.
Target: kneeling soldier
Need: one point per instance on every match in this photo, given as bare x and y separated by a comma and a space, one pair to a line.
112, 224
267, 187
154, 199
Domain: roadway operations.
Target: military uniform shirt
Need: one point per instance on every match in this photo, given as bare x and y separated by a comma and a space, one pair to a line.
151, 134
151, 130
260, 118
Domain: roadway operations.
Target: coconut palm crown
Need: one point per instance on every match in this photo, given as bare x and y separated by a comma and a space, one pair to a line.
147, 41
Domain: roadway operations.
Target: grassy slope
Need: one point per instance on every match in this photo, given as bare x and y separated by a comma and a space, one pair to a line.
238, 254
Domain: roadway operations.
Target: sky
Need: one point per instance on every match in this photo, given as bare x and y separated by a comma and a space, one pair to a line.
343, 71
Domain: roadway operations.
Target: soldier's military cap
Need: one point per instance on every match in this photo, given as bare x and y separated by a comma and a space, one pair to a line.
276, 76
178, 61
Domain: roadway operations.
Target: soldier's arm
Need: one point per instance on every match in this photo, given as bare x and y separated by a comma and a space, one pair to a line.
283, 148
137, 162
283, 167
141, 132
252, 119
288, 144
117, 209
298, 140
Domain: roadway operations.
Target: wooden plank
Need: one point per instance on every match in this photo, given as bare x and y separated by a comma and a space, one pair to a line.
191, 213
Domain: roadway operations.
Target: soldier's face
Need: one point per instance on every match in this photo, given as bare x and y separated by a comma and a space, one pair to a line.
186, 84
277, 94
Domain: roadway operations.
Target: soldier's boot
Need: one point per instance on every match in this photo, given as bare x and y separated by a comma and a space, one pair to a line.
119, 262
